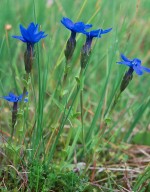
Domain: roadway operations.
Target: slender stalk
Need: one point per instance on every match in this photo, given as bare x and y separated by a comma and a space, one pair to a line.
65, 73
115, 102
25, 89
81, 108
14, 117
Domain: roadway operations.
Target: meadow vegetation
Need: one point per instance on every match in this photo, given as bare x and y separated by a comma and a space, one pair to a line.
75, 133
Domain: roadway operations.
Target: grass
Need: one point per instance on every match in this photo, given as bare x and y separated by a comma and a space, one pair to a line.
56, 147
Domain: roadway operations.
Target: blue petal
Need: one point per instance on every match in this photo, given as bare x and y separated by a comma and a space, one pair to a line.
12, 95
13, 98
79, 27
25, 100
87, 26
136, 61
31, 34
39, 36
105, 31
94, 33
31, 28
20, 96
20, 38
138, 70
36, 29
124, 58
25, 33
10, 99
67, 23
145, 69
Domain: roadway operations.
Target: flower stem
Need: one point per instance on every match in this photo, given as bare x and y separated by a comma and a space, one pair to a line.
14, 117
81, 108
115, 102
66, 70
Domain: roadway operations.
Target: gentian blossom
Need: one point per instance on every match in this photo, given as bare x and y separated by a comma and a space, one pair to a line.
95, 33
86, 49
13, 98
134, 65
31, 35
78, 27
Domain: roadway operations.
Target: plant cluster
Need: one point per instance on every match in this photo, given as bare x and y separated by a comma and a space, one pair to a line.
46, 178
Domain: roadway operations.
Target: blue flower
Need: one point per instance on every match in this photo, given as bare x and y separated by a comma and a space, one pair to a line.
86, 49
13, 98
95, 33
134, 65
78, 27
31, 34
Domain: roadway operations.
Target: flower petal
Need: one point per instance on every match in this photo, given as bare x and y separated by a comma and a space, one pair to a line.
94, 33
136, 61
124, 58
67, 23
25, 33
36, 29
138, 69
87, 26
145, 69
20, 38
39, 36
31, 28
105, 31
78, 27
10, 99
12, 95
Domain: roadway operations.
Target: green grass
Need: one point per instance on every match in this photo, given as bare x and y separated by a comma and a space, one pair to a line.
49, 151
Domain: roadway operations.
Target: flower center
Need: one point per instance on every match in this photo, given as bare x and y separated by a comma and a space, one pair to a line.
134, 63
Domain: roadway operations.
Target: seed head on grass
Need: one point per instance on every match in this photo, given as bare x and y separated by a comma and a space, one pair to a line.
134, 65
86, 49
30, 36
78, 27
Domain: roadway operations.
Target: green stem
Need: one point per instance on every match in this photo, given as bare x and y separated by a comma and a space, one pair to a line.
19, 129
115, 102
65, 72
81, 107
14, 117
82, 124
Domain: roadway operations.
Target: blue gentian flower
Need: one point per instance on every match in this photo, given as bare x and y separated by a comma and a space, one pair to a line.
134, 65
95, 33
78, 27
31, 35
86, 49
13, 98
